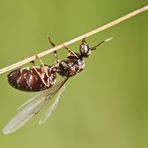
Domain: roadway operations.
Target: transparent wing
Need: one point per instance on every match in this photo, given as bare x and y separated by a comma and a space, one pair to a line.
32, 107
52, 107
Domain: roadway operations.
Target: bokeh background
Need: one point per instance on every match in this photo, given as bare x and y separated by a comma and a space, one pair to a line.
106, 105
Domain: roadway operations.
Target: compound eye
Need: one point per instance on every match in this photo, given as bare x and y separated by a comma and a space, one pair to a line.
85, 50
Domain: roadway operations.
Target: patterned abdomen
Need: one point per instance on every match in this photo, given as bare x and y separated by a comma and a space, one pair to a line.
27, 79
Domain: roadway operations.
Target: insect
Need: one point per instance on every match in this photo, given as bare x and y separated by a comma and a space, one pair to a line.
43, 78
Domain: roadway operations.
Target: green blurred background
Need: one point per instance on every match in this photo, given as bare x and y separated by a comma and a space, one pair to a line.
106, 105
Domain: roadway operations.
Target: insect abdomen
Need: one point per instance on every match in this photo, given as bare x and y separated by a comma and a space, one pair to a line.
27, 79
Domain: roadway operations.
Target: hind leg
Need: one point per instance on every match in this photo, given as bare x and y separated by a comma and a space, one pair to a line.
43, 70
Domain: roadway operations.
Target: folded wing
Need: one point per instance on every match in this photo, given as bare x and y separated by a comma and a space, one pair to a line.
34, 105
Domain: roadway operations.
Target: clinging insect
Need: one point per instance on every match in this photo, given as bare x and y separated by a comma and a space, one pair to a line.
43, 78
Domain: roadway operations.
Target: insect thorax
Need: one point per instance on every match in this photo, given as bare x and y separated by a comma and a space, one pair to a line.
70, 67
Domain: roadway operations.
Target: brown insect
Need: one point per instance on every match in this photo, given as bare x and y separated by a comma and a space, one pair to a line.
43, 78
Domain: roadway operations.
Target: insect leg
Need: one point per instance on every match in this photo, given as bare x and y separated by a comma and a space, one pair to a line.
69, 50
44, 70
42, 64
84, 40
55, 52
46, 84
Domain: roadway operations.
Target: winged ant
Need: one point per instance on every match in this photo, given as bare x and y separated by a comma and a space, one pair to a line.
43, 78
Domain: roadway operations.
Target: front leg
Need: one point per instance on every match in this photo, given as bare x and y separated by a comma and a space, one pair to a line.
70, 52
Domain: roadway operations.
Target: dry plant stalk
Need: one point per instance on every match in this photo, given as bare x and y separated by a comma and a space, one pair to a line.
48, 51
